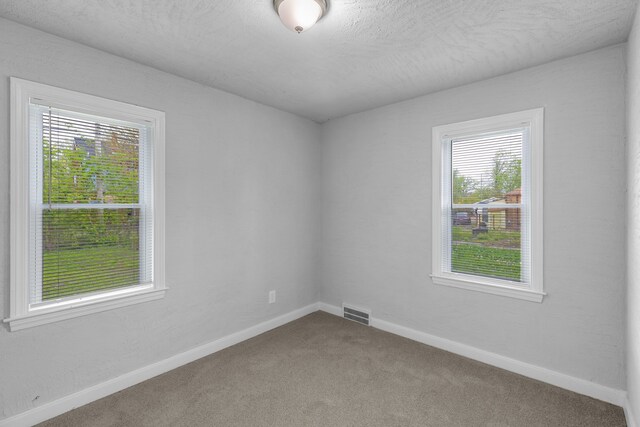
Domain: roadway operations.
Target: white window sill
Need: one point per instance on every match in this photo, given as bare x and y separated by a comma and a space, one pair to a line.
465, 282
81, 307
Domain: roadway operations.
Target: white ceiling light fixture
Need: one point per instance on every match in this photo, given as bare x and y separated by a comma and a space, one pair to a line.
300, 15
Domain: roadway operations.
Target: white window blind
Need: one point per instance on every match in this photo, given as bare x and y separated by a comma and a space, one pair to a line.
91, 222
485, 212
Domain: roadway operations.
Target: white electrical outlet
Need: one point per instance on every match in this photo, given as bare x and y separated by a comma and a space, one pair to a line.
272, 297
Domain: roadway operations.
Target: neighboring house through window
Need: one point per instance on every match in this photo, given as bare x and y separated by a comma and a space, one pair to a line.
487, 205
87, 204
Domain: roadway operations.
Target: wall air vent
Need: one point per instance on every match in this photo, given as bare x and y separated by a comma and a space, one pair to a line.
356, 314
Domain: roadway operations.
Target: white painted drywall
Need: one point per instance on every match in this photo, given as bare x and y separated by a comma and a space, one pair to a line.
242, 184
633, 221
376, 244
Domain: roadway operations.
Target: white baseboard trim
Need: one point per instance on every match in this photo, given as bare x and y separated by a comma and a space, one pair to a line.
331, 309
578, 385
98, 391
628, 413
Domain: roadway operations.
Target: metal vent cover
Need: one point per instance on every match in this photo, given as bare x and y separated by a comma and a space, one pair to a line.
356, 314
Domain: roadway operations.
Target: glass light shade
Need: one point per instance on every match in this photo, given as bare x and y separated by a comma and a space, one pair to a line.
300, 15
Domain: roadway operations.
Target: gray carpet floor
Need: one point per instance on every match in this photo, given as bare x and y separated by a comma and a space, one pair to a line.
322, 370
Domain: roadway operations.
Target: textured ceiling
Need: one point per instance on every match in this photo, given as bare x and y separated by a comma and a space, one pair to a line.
362, 54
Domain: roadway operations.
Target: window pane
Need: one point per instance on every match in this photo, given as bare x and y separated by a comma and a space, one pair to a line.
88, 161
86, 250
486, 167
486, 242
487, 177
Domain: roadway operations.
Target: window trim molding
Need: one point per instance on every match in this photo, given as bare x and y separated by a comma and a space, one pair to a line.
21, 92
534, 119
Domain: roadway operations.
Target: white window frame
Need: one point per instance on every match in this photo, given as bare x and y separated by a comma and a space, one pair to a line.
442, 136
22, 313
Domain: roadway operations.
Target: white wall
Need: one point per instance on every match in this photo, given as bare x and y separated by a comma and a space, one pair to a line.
242, 218
376, 249
633, 222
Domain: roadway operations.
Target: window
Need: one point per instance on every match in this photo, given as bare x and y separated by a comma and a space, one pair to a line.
487, 205
87, 204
